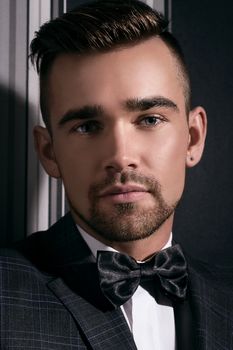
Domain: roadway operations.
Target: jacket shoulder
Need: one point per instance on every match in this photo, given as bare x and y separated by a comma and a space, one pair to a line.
14, 267
218, 277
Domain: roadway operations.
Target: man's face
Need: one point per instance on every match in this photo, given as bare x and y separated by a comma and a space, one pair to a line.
120, 138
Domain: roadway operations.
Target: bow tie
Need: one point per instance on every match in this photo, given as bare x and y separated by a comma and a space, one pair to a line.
121, 274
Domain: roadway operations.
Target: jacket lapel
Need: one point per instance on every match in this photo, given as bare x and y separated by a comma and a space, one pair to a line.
103, 330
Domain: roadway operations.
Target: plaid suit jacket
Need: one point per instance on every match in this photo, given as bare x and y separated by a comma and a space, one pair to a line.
50, 299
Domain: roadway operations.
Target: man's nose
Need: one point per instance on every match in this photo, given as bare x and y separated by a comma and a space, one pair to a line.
121, 150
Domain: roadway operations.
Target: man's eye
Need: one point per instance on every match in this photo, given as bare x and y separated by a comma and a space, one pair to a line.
150, 120
87, 127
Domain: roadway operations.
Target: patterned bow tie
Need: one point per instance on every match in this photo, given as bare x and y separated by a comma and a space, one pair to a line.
120, 274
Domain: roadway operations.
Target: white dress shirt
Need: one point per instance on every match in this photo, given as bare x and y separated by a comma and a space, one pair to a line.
152, 325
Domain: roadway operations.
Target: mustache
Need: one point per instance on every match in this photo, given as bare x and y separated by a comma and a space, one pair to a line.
148, 182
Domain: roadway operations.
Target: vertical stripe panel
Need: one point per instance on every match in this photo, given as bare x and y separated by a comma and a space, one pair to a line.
38, 181
4, 95
20, 116
56, 189
159, 5
13, 89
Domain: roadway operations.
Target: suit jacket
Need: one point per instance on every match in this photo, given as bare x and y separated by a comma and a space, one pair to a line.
50, 299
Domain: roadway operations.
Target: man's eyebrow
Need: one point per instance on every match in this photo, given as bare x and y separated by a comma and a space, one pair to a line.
132, 104
85, 112
142, 104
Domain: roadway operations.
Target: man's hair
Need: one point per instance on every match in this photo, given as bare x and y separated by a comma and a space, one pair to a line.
100, 26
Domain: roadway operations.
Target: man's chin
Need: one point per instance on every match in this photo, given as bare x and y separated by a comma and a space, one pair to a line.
127, 226
117, 210
124, 222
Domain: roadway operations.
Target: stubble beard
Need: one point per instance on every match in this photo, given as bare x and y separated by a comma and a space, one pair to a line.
127, 221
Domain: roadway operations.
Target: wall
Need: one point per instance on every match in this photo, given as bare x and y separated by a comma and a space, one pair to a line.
204, 220
13, 131
28, 198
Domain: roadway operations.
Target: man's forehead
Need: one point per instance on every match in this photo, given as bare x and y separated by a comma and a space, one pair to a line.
146, 46
143, 66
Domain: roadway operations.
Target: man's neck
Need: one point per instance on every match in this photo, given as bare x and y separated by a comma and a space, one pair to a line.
140, 249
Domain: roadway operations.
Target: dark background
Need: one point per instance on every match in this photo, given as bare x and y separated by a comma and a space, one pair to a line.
204, 220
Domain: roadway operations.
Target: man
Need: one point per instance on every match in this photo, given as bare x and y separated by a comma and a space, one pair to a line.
115, 99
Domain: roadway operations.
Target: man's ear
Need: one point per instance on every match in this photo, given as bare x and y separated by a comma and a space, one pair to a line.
197, 134
44, 147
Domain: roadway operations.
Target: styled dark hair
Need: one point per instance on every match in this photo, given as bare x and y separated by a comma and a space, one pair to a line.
100, 26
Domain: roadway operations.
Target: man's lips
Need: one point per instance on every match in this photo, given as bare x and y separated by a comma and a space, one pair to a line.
124, 193
122, 189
